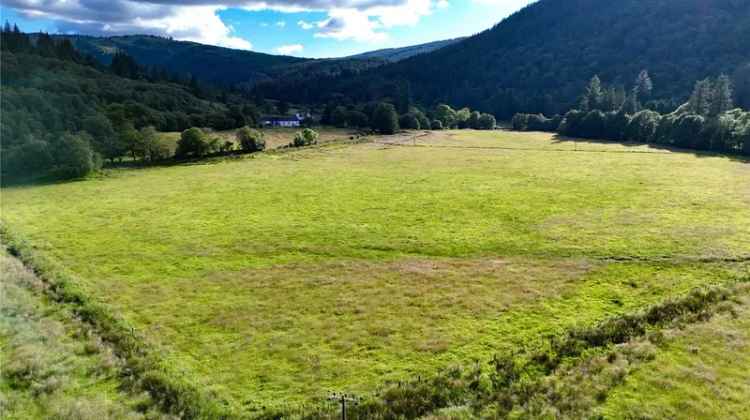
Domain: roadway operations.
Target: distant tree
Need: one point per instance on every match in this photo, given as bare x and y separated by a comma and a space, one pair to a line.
592, 125
250, 140
446, 115
192, 142
424, 122
385, 119
153, 148
643, 86
306, 137
131, 139
436, 125
33, 157
642, 127
486, 122
357, 119
339, 117
701, 98
630, 105
462, 117
473, 121
409, 122
592, 97
741, 82
75, 157
687, 130
722, 98
105, 140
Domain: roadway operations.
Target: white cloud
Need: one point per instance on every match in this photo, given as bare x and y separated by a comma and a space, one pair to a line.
196, 20
345, 24
442, 4
306, 25
290, 49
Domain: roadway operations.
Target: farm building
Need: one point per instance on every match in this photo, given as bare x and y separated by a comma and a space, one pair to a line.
278, 121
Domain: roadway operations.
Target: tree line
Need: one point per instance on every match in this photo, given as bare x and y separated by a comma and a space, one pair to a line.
708, 120
385, 118
63, 113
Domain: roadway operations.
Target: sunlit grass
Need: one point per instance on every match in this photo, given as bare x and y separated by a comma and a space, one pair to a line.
281, 276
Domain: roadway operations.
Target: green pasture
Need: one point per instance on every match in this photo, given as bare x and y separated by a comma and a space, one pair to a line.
279, 277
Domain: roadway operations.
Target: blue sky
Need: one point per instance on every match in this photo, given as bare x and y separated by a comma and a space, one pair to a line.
308, 28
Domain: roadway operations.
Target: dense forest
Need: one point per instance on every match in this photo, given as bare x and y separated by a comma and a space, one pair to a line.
62, 111
207, 63
539, 59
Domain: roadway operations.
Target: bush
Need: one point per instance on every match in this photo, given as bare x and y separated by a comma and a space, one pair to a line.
687, 129
520, 122
571, 123
305, 137
486, 122
30, 158
592, 125
357, 119
409, 122
436, 125
250, 140
192, 142
75, 156
643, 126
424, 122
385, 119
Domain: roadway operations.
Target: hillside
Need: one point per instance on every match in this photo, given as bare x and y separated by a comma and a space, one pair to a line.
397, 54
205, 62
539, 59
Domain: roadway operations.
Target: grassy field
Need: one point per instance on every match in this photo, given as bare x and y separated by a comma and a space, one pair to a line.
282, 276
275, 137
52, 366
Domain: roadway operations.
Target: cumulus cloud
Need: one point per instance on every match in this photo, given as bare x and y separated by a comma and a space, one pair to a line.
197, 20
290, 49
194, 22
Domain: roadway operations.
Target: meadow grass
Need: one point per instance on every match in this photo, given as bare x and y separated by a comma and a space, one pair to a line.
278, 277
698, 372
53, 366
275, 137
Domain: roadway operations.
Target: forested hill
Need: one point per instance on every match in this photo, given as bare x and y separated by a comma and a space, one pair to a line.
539, 59
207, 63
397, 54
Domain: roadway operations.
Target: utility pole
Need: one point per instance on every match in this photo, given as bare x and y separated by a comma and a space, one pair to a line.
342, 399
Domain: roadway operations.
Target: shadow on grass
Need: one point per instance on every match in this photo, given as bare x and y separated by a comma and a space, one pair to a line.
658, 148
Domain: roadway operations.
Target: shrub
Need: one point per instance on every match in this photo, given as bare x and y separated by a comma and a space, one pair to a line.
409, 122
305, 137
30, 158
436, 125
592, 125
385, 119
424, 122
687, 129
571, 123
643, 126
520, 122
250, 139
357, 119
192, 143
486, 122
75, 157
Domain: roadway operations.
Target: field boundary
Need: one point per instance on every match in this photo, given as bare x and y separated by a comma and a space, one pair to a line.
174, 393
